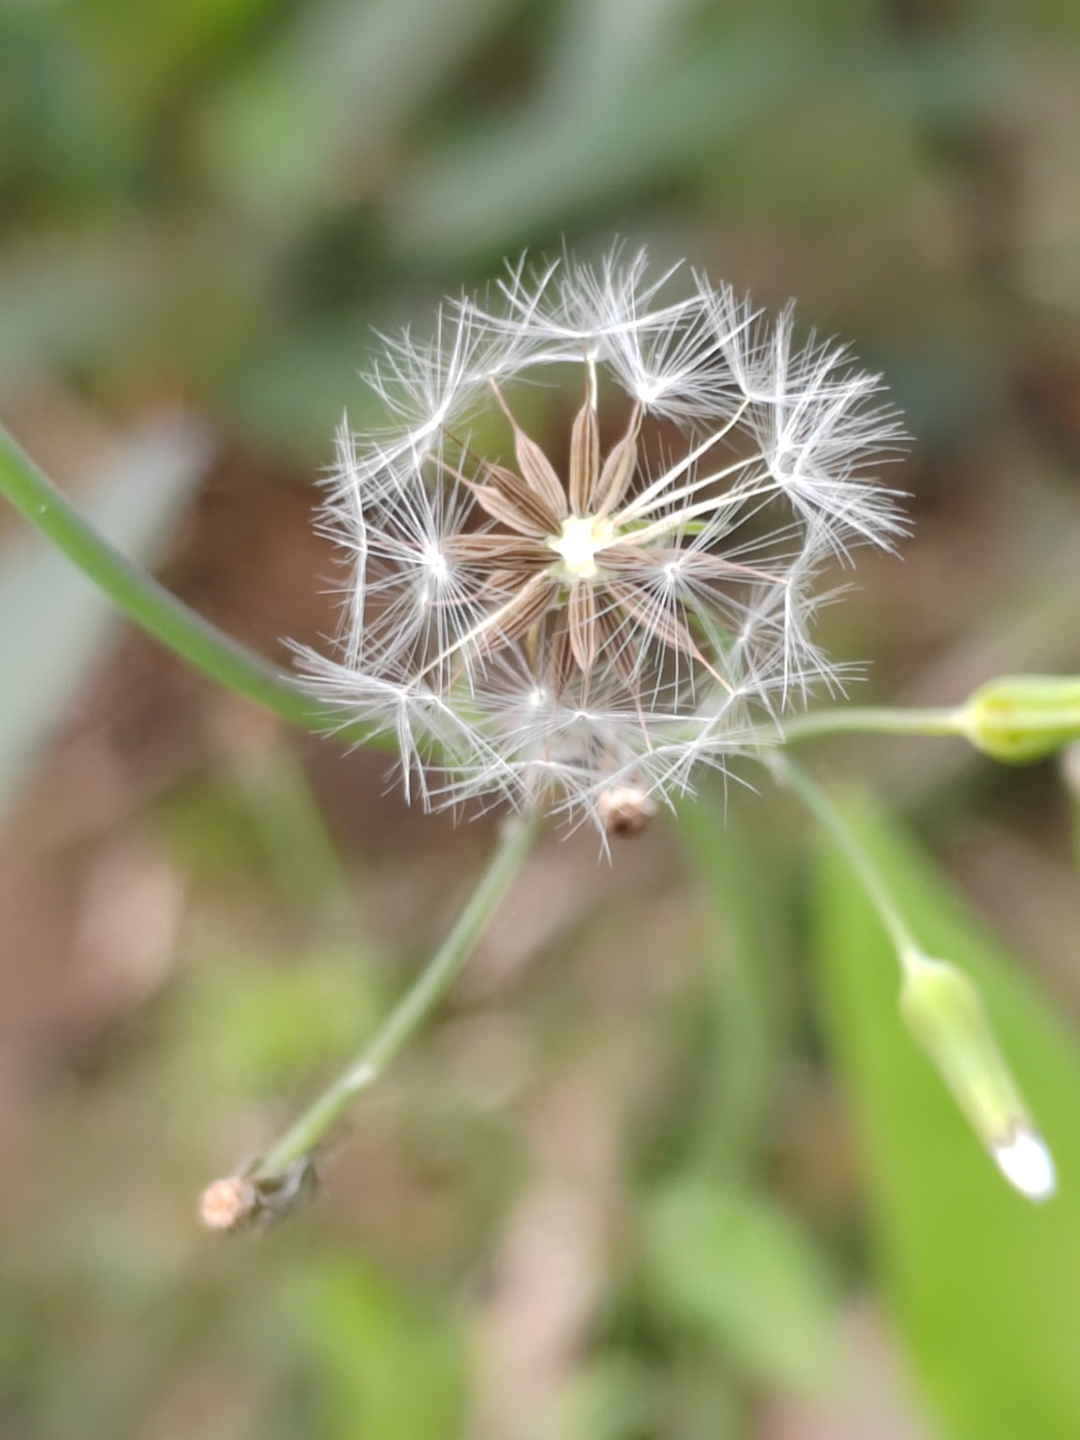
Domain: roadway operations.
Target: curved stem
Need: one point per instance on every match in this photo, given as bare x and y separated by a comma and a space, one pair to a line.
153, 607
411, 1010
870, 877
870, 720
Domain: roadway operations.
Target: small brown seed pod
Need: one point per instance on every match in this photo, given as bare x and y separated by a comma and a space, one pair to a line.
625, 810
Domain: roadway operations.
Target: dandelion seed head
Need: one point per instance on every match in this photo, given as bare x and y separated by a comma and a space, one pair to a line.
588, 626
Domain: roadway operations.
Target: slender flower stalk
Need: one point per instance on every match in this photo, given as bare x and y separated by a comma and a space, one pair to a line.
274, 1183
1016, 719
944, 1012
873, 720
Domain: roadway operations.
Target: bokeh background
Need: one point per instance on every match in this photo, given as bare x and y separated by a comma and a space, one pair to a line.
666, 1168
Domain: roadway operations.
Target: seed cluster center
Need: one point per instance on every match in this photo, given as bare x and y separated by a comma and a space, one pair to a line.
578, 542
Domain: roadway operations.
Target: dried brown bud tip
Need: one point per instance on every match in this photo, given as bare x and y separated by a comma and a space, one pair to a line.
625, 810
232, 1204
228, 1205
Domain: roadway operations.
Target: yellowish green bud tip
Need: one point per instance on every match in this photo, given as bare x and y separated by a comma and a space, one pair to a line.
945, 1013
1020, 718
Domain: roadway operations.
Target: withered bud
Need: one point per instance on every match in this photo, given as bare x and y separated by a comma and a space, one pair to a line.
229, 1205
625, 810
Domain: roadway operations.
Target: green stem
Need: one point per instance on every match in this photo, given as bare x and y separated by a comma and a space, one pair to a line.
411, 1010
150, 605
869, 720
870, 877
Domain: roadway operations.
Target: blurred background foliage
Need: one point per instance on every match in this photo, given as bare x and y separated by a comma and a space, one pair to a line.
667, 1166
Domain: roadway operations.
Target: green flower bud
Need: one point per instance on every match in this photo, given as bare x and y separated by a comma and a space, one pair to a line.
1020, 718
945, 1013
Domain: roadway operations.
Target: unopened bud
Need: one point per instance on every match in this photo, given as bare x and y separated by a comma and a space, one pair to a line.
1020, 718
625, 809
945, 1013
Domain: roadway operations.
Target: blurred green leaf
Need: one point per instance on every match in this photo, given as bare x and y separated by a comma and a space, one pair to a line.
294, 836
210, 832
61, 300
984, 1285
145, 52
744, 1042
261, 1028
386, 1369
52, 620
734, 1267
292, 394
612, 1398
602, 42
332, 94
60, 136
581, 153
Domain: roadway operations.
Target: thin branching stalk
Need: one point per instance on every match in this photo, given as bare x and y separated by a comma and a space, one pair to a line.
829, 817
873, 720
